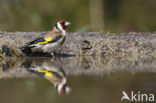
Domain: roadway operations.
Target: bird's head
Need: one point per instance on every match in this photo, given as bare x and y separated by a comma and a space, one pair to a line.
61, 25
63, 88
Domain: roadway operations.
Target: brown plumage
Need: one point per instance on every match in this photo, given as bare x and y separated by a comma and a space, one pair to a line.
53, 74
51, 40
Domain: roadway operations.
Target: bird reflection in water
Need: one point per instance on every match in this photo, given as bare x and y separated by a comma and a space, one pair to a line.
44, 68
53, 74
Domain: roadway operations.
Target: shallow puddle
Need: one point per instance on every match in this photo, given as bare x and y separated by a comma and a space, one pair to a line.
76, 80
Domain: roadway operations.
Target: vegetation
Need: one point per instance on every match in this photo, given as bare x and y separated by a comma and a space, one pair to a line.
85, 15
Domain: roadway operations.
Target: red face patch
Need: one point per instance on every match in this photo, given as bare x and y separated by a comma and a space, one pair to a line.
62, 24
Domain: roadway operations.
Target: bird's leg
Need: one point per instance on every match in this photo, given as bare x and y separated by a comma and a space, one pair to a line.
53, 54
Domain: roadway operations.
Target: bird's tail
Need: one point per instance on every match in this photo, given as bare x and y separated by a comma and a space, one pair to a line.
26, 49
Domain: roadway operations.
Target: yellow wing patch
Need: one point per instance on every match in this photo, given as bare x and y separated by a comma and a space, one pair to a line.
46, 41
47, 73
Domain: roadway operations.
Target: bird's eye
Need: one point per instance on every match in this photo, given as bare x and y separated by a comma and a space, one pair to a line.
62, 23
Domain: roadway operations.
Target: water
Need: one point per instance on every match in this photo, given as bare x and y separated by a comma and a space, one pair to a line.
87, 80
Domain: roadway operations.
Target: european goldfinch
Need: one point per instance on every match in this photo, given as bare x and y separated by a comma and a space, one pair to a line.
50, 41
53, 74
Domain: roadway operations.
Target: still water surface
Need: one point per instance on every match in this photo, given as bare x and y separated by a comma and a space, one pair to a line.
36, 81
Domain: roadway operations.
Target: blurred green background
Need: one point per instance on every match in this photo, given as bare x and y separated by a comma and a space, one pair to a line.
85, 15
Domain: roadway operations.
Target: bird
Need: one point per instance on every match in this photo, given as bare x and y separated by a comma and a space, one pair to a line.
49, 42
53, 74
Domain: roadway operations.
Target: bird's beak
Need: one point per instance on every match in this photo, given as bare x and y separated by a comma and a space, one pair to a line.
67, 23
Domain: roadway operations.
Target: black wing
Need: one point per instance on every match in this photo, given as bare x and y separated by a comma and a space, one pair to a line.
41, 39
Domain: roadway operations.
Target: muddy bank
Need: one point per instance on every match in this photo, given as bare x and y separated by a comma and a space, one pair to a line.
77, 66
94, 44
